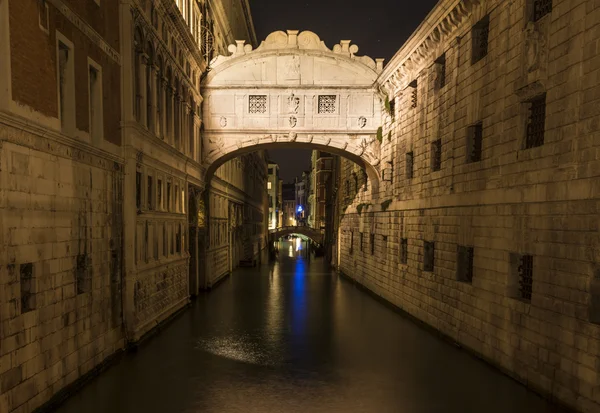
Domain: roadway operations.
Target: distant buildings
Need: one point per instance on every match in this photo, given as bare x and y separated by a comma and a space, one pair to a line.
274, 190
289, 204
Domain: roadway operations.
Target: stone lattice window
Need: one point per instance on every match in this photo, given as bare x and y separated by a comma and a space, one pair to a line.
327, 104
258, 104
541, 8
474, 142
414, 97
436, 155
441, 65
464, 264
409, 165
536, 122
27, 287
480, 35
526, 277
403, 250
428, 256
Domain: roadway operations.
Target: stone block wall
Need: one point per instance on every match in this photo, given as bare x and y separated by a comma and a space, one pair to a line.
528, 214
60, 280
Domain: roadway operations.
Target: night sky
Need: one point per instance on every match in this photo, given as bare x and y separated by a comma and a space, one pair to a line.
378, 27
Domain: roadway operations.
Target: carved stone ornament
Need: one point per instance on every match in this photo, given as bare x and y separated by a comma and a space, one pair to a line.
293, 102
293, 121
362, 122
223, 121
535, 47
292, 136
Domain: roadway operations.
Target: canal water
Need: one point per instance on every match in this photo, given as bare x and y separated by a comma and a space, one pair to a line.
292, 337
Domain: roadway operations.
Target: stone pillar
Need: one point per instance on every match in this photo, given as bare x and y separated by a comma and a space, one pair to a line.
143, 102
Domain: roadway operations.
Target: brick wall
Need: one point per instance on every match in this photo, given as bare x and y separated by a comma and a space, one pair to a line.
540, 202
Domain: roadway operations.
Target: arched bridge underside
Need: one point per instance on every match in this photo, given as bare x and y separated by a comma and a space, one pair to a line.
314, 234
293, 92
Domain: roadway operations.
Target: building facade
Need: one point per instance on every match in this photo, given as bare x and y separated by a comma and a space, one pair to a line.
302, 191
485, 222
273, 186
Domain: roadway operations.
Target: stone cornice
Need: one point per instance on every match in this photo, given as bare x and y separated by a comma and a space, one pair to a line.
415, 54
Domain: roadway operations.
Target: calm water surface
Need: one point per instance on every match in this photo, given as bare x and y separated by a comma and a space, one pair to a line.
294, 337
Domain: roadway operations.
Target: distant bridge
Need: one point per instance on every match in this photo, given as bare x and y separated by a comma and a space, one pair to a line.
315, 234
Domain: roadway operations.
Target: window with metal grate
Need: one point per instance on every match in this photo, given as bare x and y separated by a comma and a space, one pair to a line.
436, 155
479, 35
403, 250
351, 242
372, 243
526, 277
327, 104
414, 97
536, 122
409, 165
428, 255
360, 240
464, 264
474, 142
441, 66
541, 8
393, 109
27, 285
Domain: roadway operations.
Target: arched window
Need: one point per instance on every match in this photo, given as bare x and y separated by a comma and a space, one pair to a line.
149, 80
137, 82
169, 102
176, 116
159, 98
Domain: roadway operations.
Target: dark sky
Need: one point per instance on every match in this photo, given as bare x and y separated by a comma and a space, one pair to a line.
378, 27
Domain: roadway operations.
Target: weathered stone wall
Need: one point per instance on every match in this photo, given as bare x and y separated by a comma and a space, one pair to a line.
541, 202
60, 280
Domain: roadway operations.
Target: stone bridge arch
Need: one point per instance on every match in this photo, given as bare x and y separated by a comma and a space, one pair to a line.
293, 92
312, 233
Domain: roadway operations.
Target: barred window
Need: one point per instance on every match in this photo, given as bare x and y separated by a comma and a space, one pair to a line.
327, 103
474, 142
464, 264
83, 276
536, 122
541, 8
480, 34
409, 165
526, 277
428, 256
441, 63
258, 104
351, 242
436, 155
414, 97
393, 109
360, 240
372, 242
27, 285
403, 250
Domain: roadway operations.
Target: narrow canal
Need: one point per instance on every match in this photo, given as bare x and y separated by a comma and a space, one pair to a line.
295, 337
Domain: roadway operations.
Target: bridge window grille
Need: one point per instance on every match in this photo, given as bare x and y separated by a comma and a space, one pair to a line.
474, 142
436, 155
403, 250
541, 8
536, 122
372, 243
414, 96
27, 286
428, 256
258, 104
441, 64
327, 104
409, 165
526, 277
480, 35
464, 264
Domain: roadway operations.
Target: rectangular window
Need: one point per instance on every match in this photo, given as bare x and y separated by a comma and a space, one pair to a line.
409, 165
327, 104
360, 240
536, 122
464, 264
178, 239
269, 185
66, 86
479, 39
138, 190
159, 195
172, 240
169, 206
165, 241
150, 193
541, 8
474, 142
393, 109
414, 101
441, 70
43, 15
428, 256
95, 103
176, 198
403, 250
372, 243
526, 277
351, 242
27, 284
436, 155
257, 104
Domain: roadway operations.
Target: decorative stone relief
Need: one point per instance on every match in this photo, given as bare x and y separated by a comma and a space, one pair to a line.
293, 102
223, 121
293, 121
535, 48
362, 122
